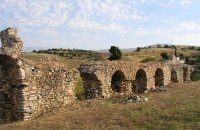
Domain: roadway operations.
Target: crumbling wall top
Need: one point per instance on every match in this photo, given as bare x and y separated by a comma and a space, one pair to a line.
12, 45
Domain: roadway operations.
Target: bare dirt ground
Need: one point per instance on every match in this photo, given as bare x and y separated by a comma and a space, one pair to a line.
177, 108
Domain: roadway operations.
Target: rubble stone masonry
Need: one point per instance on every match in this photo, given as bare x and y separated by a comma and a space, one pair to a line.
29, 88
103, 79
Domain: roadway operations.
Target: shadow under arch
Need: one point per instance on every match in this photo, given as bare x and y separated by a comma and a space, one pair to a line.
11, 90
91, 85
159, 78
139, 85
117, 81
185, 74
174, 77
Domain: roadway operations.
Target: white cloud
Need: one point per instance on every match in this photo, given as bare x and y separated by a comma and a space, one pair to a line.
86, 14
170, 3
186, 3
93, 25
187, 39
188, 26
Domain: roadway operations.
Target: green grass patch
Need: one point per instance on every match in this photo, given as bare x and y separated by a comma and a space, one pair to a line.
79, 90
148, 60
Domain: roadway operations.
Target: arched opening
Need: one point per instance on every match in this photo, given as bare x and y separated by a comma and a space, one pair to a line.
117, 81
91, 85
174, 76
185, 74
140, 83
159, 78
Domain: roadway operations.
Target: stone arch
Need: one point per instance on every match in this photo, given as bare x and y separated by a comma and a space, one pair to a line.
174, 76
117, 81
11, 90
91, 85
140, 83
185, 74
159, 78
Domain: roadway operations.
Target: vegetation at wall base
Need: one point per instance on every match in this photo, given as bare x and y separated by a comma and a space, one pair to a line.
79, 90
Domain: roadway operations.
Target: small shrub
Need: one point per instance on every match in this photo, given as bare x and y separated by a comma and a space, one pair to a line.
138, 49
166, 46
158, 46
182, 57
166, 56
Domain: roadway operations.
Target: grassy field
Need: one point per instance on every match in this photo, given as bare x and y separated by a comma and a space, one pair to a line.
74, 63
177, 108
154, 53
146, 53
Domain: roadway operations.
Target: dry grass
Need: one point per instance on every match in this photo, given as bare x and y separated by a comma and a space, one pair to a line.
147, 53
177, 108
155, 53
74, 63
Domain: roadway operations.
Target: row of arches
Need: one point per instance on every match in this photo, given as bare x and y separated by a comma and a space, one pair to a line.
140, 82
139, 85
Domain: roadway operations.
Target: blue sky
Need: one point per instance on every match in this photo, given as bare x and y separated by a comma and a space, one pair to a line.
98, 24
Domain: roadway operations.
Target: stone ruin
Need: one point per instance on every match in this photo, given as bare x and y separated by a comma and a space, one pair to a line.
104, 79
29, 88
12, 45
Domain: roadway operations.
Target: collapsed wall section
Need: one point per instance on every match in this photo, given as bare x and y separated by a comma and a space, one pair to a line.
49, 85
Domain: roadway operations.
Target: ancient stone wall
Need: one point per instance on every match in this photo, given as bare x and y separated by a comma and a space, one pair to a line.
29, 88
137, 77
103, 79
181, 72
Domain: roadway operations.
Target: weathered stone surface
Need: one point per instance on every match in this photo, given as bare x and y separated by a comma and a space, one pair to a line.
103, 79
28, 88
11, 43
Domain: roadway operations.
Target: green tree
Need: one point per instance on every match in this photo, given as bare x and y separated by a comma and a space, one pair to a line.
158, 46
138, 49
115, 53
166, 46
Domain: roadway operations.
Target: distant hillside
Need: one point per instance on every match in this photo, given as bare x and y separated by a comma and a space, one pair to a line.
74, 57
72, 53
30, 49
